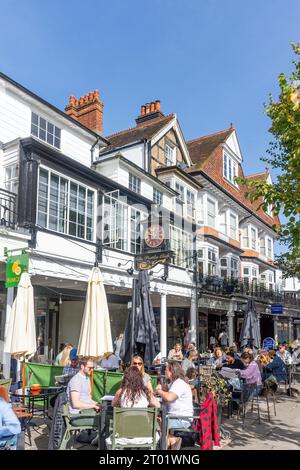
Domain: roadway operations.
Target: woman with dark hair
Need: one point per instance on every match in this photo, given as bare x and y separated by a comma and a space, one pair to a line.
179, 401
133, 393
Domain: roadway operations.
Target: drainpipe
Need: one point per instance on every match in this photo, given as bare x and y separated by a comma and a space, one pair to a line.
92, 149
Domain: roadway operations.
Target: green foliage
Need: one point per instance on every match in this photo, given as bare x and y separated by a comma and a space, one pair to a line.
283, 154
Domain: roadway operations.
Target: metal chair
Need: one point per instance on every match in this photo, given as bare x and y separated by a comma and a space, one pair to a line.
138, 423
75, 424
247, 395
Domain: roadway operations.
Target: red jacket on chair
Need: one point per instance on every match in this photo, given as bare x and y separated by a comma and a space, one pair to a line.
207, 425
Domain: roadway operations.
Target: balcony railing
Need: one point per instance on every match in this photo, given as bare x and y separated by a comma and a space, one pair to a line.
231, 286
8, 209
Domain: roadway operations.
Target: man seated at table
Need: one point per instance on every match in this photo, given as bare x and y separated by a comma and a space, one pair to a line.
79, 390
109, 361
231, 362
72, 368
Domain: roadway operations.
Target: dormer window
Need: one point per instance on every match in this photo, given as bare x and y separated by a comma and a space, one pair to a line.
45, 130
170, 155
230, 168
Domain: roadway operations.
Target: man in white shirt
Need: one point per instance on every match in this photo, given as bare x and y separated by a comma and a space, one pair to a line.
223, 338
179, 401
79, 389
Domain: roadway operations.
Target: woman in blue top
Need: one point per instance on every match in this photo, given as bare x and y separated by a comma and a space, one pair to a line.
217, 358
277, 368
9, 423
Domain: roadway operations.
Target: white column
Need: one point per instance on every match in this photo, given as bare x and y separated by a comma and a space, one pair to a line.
290, 329
230, 316
163, 324
6, 356
275, 329
193, 318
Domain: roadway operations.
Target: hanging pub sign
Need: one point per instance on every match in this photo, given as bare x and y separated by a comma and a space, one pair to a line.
15, 266
155, 245
149, 260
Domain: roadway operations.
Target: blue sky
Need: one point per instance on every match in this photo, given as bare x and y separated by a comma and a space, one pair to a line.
210, 61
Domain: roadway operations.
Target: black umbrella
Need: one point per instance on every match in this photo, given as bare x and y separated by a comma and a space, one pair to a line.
250, 331
140, 336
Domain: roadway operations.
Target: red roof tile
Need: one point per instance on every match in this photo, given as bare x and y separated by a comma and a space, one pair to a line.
200, 149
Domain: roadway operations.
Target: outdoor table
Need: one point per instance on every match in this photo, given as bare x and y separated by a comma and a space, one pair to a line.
35, 399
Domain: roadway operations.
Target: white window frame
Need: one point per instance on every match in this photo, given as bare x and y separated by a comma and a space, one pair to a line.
230, 168
190, 203
55, 133
170, 155
210, 214
157, 196
212, 264
233, 229
269, 248
134, 183
117, 221
11, 183
253, 239
66, 220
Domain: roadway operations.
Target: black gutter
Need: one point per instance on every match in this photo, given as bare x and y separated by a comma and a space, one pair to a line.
199, 172
51, 106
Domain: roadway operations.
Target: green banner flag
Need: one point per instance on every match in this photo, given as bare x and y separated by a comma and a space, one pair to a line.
15, 266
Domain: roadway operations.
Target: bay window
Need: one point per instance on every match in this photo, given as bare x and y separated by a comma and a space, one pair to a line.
211, 213
65, 206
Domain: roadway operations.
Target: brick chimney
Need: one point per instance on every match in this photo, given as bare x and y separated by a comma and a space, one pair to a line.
88, 110
149, 111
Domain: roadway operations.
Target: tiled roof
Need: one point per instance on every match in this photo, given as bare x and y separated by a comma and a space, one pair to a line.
200, 149
142, 131
207, 156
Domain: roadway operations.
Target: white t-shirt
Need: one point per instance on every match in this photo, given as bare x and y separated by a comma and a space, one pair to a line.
183, 406
140, 402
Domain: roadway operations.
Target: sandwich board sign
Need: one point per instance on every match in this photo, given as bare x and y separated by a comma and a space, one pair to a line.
268, 343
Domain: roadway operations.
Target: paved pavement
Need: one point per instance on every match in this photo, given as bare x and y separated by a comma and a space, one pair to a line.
282, 433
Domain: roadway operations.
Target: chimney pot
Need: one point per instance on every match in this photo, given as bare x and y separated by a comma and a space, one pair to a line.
72, 100
143, 110
157, 105
86, 98
81, 100
147, 108
76, 102
91, 96
152, 107
96, 94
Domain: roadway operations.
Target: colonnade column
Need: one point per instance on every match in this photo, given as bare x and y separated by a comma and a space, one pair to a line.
193, 318
275, 329
163, 324
230, 316
6, 356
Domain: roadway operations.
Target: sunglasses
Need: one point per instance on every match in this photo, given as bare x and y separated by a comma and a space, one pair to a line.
137, 363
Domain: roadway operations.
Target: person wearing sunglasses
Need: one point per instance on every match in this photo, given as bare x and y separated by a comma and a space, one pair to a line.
79, 389
137, 361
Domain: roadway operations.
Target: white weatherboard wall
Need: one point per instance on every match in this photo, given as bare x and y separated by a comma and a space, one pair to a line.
15, 122
15, 116
134, 154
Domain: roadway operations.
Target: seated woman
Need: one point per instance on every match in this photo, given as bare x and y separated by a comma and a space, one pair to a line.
176, 353
276, 367
251, 374
179, 401
138, 362
217, 357
133, 394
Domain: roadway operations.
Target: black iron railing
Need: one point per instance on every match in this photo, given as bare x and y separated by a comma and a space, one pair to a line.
224, 286
8, 209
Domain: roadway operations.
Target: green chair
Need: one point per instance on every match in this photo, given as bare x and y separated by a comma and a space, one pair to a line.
85, 420
5, 383
129, 423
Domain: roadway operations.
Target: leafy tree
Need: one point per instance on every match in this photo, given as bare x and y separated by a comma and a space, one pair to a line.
284, 156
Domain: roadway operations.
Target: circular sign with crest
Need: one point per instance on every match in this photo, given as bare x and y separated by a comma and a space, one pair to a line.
154, 236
